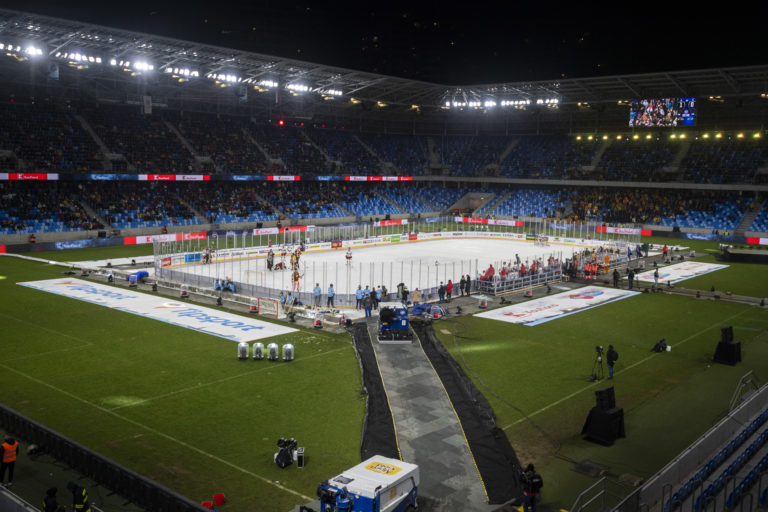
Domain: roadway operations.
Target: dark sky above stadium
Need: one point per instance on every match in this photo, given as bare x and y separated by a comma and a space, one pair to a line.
450, 43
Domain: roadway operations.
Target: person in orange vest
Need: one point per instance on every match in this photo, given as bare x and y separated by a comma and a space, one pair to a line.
10, 451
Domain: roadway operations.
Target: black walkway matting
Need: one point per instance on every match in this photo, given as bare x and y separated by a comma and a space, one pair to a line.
495, 458
379, 428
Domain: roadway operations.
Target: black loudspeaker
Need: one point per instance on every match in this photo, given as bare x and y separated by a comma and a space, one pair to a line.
102, 234
259, 225
726, 334
604, 425
728, 353
300, 457
605, 398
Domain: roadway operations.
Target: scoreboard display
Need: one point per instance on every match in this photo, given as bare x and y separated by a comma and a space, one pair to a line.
662, 112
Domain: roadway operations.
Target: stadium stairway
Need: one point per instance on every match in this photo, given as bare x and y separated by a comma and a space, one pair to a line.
199, 159
253, 141
103, 147
423, 200
321, 149
491, 204
748, 218
90, 211
511, 147
385, 166
599, 154
198, 213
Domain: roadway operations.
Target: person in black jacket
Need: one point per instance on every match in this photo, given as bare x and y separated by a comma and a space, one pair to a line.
49, 502
611, 357
80, 501
532, 484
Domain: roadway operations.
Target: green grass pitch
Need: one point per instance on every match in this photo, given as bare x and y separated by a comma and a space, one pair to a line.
178, 407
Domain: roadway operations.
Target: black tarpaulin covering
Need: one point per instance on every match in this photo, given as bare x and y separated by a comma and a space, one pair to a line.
495, 459
379, 428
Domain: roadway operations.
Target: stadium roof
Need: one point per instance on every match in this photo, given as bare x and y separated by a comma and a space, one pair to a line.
107, 57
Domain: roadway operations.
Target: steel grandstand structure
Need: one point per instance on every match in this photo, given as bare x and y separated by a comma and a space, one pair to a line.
119, 148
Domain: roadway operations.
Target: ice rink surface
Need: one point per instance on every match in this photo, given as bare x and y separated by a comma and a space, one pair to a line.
422, 264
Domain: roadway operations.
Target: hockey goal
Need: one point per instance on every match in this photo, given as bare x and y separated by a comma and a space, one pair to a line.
269, 307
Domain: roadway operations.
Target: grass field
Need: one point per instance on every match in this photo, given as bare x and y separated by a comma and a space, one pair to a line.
176, 405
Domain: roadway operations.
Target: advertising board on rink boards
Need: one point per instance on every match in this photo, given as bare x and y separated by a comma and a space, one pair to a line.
190, 316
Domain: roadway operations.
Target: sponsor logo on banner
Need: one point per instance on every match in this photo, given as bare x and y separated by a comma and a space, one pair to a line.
394, 239
283, 178
335, 244
457, 234
192, 236
265, 231
165, 262
30, 176
192, 258
548, 308
193, 177
392, 222
413, 236
198, 318
680, 271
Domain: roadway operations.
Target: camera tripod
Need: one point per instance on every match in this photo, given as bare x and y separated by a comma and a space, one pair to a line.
597, 368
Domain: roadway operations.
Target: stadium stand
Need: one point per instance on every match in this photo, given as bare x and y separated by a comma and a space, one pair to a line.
761, 222
468, 156
641, 160
403, 197
145, 141
731, 160
289, 144
135, 205
530, 203
407, 153
222, 139
545, 156
343, 147
29, 208
46, 137
228, 202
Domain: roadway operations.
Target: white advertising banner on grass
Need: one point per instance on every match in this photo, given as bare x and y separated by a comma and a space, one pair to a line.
542, 310
187, 315
680, 271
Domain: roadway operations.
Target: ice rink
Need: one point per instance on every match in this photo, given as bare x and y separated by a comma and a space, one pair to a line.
422, 264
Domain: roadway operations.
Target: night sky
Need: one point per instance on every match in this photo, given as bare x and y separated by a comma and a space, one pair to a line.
449, 44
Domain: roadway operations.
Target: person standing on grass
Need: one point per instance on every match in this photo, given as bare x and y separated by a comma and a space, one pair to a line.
317, 292
611, 357
331, 294
10, 449
532, 484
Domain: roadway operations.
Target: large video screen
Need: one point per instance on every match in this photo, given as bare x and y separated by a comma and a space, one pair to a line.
663, 112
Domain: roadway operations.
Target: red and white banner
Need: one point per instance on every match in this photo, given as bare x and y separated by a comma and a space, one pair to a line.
283, 178
297, 229
170, 237
619, 231
502, 222
174, 177
165, 262
413, 236
400, 222
29, 176
265, 231
534, 312
757, 241
492, 222
378, 178
336, 244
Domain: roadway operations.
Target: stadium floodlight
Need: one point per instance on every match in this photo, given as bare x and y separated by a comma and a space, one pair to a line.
648, 136
578, 137
590, 137
113, 62
682, 135
381, 104
705, 136
635, 137
269, 84
739, 135
605, 137
756, 135
719, 136
673, 136
489, 104
618, 137
297, 87
33, 51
